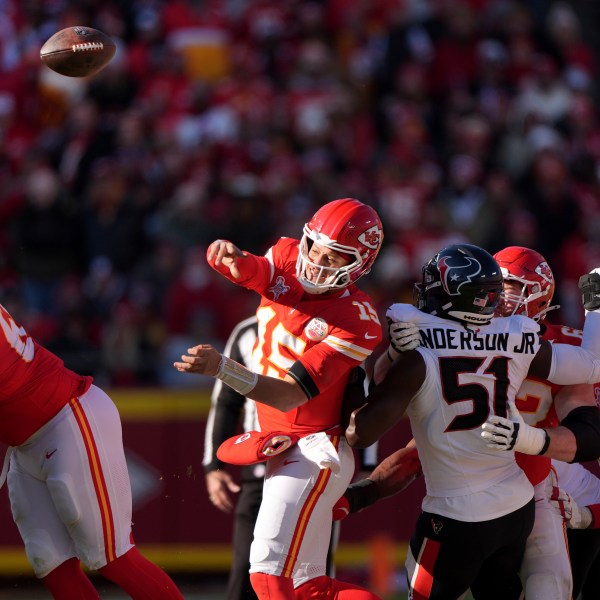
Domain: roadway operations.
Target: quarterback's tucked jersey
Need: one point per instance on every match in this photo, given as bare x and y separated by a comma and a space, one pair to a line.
472, 373
535, 402
325, 335
34, 383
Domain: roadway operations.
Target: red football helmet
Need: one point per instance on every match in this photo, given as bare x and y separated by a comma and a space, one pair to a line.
529, 269
346, 226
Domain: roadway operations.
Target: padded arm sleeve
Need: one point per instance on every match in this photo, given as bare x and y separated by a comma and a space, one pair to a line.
572, 365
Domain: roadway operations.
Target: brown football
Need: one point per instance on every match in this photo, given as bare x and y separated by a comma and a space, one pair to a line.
78, 51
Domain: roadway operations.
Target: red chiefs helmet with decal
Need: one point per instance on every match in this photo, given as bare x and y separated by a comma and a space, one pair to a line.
461, 282
535, 281
348, 227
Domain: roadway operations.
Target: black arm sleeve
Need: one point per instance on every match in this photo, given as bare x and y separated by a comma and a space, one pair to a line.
304, 380
584, 422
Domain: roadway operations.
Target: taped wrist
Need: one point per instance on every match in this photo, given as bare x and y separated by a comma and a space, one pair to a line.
529, 440
236, 376
584, 422
362, 494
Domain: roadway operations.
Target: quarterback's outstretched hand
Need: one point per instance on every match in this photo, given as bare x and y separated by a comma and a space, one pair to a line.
590, 289
575, 517
514, 434
202, 359
226, 253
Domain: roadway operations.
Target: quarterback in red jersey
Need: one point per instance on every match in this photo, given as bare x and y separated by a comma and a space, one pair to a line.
67, 477
315, 326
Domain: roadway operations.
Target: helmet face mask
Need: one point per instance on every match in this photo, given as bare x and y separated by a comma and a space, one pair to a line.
347, 227
462, 282
530, 282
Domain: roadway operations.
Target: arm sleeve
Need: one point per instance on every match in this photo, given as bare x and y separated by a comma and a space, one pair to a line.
572, 365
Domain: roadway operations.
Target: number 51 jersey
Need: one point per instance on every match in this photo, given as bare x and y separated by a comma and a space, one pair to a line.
472, 373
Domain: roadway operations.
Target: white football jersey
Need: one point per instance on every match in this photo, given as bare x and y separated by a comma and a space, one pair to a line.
472, 373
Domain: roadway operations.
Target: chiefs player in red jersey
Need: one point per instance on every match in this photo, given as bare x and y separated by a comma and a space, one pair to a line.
567, 411
315, 326
67, 477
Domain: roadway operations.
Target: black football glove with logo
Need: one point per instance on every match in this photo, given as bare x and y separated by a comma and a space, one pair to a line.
589, 285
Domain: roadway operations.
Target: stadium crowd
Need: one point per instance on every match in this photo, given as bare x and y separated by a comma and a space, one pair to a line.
472, 120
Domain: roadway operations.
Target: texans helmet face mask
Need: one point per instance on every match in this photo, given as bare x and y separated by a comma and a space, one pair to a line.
349, 227
531, 283
462, 282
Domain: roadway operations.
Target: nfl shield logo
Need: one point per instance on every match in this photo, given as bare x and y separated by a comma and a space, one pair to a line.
316, 330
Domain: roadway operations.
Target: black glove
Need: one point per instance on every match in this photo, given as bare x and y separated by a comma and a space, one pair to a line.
589, 285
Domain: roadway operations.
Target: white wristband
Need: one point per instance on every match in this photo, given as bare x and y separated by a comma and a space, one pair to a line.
531, 440
236, 376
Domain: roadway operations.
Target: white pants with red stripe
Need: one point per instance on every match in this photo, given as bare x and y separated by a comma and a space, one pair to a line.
69, 487
546, 569
293, 528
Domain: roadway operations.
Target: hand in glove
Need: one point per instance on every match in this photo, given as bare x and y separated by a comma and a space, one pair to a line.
576, 517
403, 335
514, 434
590, 290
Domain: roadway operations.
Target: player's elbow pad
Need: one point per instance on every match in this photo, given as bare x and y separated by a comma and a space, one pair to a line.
572, 365
584, 422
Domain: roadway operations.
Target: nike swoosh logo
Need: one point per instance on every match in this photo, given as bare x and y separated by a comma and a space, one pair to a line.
289, 462
49, 454
369, 337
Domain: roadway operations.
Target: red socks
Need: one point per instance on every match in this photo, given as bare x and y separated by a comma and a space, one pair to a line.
272, 587
68, 581
140, 578
323, 587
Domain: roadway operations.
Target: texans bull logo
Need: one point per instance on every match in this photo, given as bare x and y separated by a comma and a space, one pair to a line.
453, 276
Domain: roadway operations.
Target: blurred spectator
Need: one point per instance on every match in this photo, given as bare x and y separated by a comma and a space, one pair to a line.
47, 238
113, 225
473, 120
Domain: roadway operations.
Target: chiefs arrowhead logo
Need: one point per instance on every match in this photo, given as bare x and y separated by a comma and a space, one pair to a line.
371, 238
544, 271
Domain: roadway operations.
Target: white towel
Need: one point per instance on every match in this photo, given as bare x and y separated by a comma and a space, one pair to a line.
317, 447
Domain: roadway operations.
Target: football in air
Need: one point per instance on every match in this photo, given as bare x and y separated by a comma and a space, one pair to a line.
78, 51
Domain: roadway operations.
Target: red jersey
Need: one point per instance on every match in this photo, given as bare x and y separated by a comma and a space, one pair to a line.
328, 334
535, 402
34, 383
